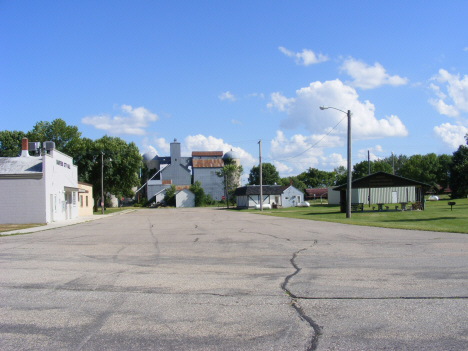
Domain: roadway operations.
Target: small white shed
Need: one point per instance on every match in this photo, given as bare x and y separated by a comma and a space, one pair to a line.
291, 196
185, 198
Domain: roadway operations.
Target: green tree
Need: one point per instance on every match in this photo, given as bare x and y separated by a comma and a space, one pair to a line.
341, 175
398, 161
169, 196
361, 169
10, 143
314, 178
231, 174
121, 166
459, 172
57, 131
200, 197
270, 175
296, 182
442, 174
421, 168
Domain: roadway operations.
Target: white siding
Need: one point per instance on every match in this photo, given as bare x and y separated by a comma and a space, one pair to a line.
185, 198
377, 195
291, 197
57, 177
384, 195
22, 201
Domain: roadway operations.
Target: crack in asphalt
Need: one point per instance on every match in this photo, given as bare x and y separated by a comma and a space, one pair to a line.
263, 234
317, 329
383, 298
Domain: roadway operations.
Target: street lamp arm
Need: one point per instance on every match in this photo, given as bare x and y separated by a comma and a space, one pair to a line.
327, 107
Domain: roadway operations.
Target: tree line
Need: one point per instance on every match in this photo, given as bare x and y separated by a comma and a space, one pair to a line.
122, 162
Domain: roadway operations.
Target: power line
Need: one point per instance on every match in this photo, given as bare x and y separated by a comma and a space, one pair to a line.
286, 160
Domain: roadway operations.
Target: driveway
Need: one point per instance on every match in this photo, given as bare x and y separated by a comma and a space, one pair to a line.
209, 279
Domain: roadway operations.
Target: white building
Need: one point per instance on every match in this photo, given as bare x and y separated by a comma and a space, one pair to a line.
38, 189
185, 198
291, 196
249, 196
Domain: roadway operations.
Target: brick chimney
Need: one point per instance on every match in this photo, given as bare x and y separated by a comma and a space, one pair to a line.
290, 181
24, 147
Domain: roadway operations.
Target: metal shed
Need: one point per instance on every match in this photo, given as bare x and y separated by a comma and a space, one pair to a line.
386, 186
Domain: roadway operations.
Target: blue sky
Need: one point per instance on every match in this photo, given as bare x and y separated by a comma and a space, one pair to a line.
221, 75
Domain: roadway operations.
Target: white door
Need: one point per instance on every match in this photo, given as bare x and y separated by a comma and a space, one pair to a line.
394, 197
51, 208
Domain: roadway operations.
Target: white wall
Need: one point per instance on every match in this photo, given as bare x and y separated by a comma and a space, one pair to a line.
22, 201
291, 197
378, 195
185, 198
57, 177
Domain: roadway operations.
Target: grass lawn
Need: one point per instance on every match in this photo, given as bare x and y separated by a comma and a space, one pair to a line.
110, 210
436, 217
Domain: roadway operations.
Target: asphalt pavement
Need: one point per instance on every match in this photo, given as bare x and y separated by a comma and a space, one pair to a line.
210, 279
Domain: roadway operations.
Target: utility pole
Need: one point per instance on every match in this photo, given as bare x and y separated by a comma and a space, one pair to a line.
260, 172
102, 182
226, 190
368, 171
350, 174
393, 161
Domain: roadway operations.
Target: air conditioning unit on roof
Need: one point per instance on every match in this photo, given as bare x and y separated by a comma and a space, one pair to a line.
48, 145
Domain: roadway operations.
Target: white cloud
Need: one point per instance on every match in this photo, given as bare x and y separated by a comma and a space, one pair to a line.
451, 135
443, 108
334, 160
362, 154
301, 152
457, 90
261, 95
233, 121
227, 96
303, 110
280, 102
306, 57
465, 49
160, 144
132, 121
369, 77
282, 168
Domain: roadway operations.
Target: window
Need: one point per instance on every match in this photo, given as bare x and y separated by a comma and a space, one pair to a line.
74, 198
86, 200
81, 198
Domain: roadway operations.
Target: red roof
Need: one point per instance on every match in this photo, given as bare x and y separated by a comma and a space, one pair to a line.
207, 153
317, 191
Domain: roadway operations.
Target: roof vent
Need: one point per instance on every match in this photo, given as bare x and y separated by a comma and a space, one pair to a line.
33, 146
48, 145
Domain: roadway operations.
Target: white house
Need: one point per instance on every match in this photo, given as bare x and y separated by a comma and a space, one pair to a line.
38, 189
185, 198
291, 196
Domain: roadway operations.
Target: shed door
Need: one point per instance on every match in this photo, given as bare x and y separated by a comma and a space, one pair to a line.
394, 197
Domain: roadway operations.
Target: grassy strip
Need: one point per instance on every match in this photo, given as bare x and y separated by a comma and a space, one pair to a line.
436, 217
9, 227
110, 210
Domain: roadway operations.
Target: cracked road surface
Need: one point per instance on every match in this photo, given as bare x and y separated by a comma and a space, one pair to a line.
208, 279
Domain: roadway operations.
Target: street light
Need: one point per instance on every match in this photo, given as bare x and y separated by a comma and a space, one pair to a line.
348, 188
